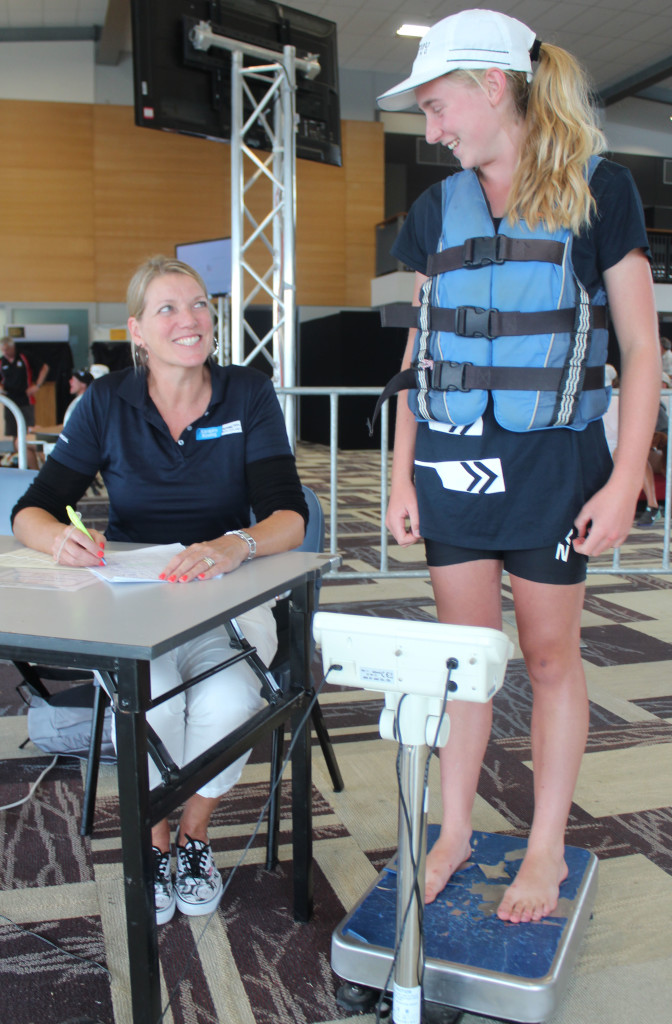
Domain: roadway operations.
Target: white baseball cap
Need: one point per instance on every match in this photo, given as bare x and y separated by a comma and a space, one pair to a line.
98, 370
469, 39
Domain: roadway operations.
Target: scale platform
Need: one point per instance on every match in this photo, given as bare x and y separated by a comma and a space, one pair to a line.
474, 961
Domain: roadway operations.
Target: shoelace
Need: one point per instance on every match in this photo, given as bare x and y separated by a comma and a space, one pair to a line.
160, 862
196, 859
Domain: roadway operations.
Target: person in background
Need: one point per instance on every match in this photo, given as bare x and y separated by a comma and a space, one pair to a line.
186, 449
666, 355
655, 464
20, 381
657, 454
516, 257
79, 382
610, 418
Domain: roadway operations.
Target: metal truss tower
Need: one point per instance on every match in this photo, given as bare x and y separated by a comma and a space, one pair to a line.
271, 232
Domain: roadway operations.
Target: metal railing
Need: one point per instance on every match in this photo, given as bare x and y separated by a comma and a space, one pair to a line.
333, 394
22, 448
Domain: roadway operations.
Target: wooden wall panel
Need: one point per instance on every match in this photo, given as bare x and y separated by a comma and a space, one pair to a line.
152, 190
364, 164
46, 184
37, 134
87, 196
320, 234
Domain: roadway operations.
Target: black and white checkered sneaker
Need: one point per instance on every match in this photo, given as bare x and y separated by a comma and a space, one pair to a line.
198, 884
164, 892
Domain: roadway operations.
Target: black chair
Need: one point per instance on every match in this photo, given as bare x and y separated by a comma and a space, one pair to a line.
85, 705
13, 484
313, 541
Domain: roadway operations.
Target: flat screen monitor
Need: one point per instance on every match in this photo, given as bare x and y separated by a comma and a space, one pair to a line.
178, 88
212, 260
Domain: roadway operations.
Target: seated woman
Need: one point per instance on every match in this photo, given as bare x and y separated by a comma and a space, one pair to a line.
185, 447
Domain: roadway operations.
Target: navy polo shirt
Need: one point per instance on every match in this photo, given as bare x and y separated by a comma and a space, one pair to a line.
161, 490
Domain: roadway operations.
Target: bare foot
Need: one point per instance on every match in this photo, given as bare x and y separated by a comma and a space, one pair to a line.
446, 857
534, 892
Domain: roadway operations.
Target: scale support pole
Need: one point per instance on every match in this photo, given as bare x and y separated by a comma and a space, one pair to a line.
407, 990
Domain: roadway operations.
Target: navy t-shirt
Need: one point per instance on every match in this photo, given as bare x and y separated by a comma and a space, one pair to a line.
482, 486
162, 491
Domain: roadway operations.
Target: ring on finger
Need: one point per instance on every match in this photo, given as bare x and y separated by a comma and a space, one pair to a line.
208, 561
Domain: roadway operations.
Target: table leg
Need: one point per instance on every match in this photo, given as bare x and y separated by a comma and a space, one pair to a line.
302, 818
300, 636
143, 952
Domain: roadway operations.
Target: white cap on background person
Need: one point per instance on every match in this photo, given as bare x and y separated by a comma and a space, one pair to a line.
98, 370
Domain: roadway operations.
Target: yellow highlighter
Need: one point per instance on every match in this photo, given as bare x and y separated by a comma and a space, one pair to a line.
76, 520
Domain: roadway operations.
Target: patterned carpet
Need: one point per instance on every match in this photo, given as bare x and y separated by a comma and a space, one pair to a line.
254, 964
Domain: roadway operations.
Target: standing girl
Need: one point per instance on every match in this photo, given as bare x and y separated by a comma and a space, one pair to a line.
500, 460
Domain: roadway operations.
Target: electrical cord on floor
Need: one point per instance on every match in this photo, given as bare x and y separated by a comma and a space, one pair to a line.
420, 897
20, 927
55, 945
25, 799
255, 831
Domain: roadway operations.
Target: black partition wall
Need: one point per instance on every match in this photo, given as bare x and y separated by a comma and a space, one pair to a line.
347, 349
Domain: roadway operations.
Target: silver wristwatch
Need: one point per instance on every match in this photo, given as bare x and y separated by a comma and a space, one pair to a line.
249, 540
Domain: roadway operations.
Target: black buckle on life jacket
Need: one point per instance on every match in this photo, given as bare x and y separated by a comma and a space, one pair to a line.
449, 376
481, 252
473, 322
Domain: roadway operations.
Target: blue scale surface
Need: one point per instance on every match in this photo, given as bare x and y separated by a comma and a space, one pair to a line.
461, 926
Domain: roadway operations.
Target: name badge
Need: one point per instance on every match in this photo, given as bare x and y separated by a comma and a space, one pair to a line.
210, 433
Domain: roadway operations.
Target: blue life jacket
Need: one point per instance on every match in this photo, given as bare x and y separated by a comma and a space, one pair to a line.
526, 328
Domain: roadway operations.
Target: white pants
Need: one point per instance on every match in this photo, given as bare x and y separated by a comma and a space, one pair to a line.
193, 720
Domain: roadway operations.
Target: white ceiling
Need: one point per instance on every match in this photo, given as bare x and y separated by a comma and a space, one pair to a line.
622, 43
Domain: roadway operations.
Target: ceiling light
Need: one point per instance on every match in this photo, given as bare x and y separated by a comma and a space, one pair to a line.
417, 31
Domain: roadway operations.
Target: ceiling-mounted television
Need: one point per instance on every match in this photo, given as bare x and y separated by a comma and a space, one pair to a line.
181, 89
212, 260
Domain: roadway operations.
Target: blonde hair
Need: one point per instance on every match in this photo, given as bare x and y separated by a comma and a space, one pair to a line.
550, 185
136, 293
155, 266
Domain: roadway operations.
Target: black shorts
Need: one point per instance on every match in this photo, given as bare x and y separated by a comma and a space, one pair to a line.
559, 563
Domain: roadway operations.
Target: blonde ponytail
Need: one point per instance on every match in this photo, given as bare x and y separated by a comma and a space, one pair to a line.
550, 184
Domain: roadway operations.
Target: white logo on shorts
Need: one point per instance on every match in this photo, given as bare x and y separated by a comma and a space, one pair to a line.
564, 547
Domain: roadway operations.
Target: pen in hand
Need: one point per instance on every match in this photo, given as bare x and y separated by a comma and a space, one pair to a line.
76, 520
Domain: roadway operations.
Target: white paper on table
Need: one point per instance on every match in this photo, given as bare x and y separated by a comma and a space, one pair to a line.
25, 567
139, 566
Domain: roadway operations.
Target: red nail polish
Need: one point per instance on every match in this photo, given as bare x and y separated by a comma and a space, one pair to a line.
162, 576
171, 579
183, 579
201, 575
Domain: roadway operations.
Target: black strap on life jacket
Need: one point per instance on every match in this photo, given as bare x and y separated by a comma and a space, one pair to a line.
451, 376
476, 322
481, 252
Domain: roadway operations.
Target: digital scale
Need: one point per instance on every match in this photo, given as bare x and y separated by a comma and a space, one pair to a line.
454, 952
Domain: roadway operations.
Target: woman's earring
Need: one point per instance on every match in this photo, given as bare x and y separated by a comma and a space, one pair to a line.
140, 355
